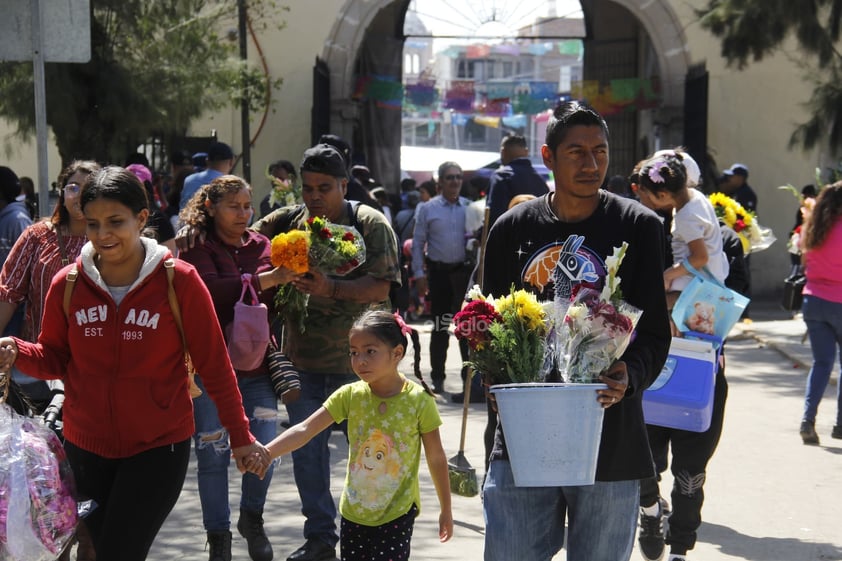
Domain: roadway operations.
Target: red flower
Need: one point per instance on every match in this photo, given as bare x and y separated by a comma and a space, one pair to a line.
473, 321
325, 233
348, 237
310, 220
739, 226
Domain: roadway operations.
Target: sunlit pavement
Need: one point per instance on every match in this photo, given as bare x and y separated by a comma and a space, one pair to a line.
768, 497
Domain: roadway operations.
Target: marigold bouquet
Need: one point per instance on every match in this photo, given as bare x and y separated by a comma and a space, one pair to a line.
506, 335
330, 248
596, 328
753, 236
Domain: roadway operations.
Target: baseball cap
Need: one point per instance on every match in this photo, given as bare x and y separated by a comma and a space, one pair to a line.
142, 172
323, 158
737, 169
200, 159
219, 151
339, 143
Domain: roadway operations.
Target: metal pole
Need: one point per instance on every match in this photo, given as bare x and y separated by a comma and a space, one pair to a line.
244, 106
40, 109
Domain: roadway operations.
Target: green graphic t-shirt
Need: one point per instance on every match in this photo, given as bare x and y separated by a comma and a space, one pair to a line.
384, 449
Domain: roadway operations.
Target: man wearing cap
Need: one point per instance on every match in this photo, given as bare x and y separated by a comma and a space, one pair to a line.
321, 352
220, 162
738, 188
355, 191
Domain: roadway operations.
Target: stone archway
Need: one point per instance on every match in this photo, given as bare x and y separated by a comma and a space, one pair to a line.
657, 18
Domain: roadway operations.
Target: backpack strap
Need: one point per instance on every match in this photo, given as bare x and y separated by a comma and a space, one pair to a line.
169, 267
72, 275
353, 208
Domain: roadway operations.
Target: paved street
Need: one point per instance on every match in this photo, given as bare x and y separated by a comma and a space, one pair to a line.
768, 497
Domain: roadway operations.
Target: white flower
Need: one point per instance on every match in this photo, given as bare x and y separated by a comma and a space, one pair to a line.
475, 293
612, 264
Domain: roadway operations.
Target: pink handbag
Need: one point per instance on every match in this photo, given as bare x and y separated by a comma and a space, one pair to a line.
248, 333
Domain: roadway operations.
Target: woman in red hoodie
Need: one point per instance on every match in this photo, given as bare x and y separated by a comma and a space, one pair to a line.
128, 417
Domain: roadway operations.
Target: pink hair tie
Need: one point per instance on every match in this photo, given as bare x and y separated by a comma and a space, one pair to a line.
405, 329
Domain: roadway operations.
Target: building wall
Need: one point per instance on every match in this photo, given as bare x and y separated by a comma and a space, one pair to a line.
751, 112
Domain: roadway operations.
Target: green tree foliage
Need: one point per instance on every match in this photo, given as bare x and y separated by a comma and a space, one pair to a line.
753, 29
155, 66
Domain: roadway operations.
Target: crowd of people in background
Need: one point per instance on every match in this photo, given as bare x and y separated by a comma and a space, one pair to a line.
424, 250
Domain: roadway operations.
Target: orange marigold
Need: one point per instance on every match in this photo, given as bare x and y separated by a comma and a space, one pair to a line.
291, 250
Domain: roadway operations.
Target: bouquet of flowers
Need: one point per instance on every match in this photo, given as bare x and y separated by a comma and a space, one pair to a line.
38, 512
506, 335
284, 192
330, 248
743, 222
596, 327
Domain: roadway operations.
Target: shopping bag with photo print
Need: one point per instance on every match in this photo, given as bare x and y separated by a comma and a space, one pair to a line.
707, 306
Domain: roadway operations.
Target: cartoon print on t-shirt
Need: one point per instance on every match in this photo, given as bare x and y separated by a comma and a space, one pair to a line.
555, 269
375, 473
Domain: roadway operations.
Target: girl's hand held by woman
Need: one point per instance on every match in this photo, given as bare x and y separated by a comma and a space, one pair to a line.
8, 353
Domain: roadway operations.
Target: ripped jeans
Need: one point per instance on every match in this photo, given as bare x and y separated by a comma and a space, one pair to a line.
213, 451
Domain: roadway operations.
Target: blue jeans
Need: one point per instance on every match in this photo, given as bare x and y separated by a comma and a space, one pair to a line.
824, 324
213, 450
528, 522
311, 462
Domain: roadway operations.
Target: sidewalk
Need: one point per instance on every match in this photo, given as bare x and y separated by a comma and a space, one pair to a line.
780, 330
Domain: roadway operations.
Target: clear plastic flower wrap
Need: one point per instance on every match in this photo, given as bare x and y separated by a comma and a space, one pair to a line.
334, 249
593, 334
593, 330
38, 511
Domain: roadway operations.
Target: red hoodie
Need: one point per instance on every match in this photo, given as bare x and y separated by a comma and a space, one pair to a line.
123, 368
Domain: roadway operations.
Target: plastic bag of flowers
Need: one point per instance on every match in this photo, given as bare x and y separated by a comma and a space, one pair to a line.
596, 328
334, 249
38, 512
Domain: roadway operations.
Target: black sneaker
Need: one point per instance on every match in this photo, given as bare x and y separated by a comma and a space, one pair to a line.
651, 537
808, 432
836, 432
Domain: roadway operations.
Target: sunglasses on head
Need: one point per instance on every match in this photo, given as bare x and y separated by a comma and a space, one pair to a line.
72, 189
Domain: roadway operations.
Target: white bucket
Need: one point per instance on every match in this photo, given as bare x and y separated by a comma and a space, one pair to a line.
552, 432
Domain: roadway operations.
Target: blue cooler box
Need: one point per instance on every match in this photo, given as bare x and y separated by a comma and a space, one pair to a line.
682, 395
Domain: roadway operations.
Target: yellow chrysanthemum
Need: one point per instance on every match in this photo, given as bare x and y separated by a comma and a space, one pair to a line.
290, 250
524, 306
